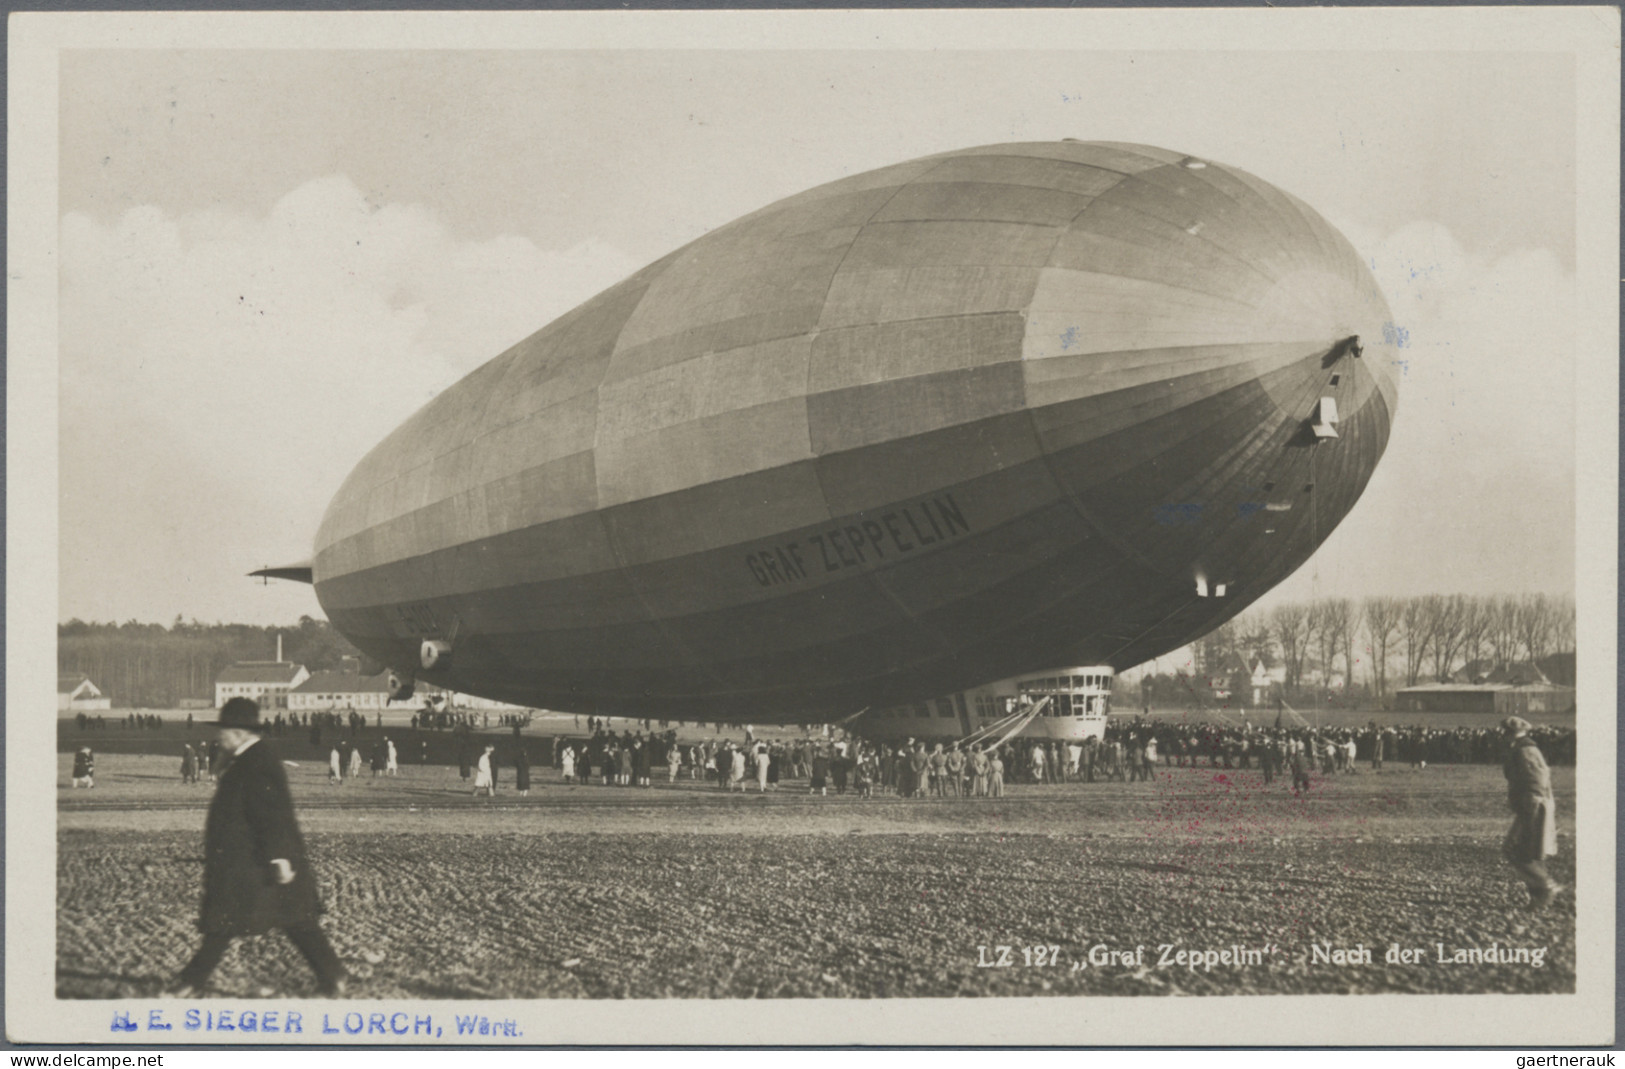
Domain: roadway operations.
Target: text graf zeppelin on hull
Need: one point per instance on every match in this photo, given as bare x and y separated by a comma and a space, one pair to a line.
945, 422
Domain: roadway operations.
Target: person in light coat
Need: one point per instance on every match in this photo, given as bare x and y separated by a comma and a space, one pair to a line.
761, 759
1533, 835
483, 780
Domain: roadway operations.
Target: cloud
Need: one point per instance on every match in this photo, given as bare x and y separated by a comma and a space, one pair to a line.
250, 362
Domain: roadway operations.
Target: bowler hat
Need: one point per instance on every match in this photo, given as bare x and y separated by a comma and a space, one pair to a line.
240, 713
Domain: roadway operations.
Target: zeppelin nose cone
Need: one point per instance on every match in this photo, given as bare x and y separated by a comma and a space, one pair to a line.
936, 424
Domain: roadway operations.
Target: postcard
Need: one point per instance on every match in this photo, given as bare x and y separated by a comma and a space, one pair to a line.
799, 525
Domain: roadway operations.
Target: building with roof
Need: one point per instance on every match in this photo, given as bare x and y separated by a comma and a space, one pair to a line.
266, 682
347, 689
76, 693
1265, 678
1492, 699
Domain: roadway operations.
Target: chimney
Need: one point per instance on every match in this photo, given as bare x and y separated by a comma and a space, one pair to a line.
279, 647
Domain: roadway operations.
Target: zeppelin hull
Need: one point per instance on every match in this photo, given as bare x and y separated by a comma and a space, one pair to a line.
938, 424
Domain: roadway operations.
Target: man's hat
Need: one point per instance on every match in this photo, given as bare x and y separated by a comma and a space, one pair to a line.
1515, 724
240, 713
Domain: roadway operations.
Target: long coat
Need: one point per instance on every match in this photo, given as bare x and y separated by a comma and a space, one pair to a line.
250, 823
1533, 835
521, 770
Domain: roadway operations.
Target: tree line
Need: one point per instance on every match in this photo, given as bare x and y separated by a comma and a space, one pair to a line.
1371, 647
151, 666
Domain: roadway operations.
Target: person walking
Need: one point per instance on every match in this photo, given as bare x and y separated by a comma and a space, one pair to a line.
84, 768
1301, 760
762, 761
521, 771
483, 777
335, 768
1533, 835
256, 875
188, 764
820, 773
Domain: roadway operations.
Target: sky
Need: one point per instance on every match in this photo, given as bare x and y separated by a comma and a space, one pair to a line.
268, 259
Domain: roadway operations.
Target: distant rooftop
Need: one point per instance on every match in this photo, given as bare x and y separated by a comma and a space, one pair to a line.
259, 672
344, 682
67, 684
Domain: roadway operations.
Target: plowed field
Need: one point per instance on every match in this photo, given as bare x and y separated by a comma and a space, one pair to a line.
689, 892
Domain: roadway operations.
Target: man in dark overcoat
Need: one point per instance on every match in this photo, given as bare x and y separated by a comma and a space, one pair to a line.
255, 873
1533, 835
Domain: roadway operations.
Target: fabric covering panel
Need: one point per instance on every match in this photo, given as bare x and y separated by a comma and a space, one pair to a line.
849, 419
1068, 411
879, 295
705, 386
738, 280
1109, 156
952, 243
981, 201
873, 353
1066, 176
709, 449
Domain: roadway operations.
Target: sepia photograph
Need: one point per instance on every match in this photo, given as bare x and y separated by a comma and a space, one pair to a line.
878, 514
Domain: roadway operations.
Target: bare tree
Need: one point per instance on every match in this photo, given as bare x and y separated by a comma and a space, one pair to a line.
1502, 630
1563, 625
1333, 635
1381, 621
1478, 617
1290, 626
1415, 635
1536, 624
1447, 624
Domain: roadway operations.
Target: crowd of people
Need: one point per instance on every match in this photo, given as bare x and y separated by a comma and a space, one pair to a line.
910, 768
1126, 753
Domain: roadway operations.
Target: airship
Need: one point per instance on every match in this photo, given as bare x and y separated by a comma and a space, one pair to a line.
949, 421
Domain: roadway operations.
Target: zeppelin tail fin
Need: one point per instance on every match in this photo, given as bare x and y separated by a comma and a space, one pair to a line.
302, 572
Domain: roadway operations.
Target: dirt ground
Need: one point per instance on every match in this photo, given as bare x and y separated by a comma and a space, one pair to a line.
687, 891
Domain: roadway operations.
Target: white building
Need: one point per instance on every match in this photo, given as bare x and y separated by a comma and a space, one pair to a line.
1268, 676
266, 682
346, 688
77, 693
